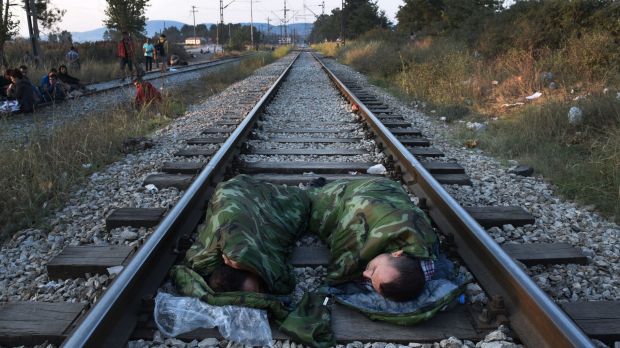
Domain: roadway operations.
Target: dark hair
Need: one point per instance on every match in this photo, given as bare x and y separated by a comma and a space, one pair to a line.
163, 35
226, 278
15, 73
72, 48
53, 70
409, 283
62, 66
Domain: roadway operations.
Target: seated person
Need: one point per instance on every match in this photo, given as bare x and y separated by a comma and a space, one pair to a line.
73, 82
5, 82
21, 90
146, 93
52, 89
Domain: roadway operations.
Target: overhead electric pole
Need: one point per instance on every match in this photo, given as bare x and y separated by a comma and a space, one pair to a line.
194, 14
286, 23
217, 31
342, 23
251, 25
322, 6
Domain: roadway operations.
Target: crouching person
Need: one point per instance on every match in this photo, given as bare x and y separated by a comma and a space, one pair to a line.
146, 93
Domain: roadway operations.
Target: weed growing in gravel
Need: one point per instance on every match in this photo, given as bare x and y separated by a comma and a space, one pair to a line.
38, 176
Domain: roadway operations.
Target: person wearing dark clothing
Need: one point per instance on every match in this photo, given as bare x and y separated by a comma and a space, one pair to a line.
52, 88
73, 82
161, 50
21, 90
126, 54
5, 82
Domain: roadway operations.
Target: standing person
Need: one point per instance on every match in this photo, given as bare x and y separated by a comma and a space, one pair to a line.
21, 90
161, 48
73, 58
126, 54
149, 50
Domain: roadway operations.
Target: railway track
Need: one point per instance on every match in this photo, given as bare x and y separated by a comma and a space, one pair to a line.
277, 142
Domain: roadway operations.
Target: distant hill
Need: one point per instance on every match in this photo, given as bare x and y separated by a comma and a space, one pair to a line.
155, 26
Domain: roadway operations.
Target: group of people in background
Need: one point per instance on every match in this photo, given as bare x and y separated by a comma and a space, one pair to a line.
153, 53
55, 86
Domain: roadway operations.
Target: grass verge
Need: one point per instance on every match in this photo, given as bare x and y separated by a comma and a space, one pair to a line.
454, 81
38, 177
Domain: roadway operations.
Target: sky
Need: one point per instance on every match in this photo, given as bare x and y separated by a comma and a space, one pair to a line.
83, 15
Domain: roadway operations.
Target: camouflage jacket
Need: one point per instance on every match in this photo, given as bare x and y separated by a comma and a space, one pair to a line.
255, 224
360, 219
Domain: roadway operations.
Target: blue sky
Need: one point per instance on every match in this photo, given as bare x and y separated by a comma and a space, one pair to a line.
85, 15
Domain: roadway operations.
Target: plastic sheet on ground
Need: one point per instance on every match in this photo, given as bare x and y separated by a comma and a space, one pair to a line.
175, 315
9, 106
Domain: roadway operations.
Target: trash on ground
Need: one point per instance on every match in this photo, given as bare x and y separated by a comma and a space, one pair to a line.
377, 169
575, 115
476, 126
534, 96
151, 188
114, 270
175, 315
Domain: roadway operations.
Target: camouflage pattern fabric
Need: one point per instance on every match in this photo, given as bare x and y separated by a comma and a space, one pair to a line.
310, 322
360, 219
254, 224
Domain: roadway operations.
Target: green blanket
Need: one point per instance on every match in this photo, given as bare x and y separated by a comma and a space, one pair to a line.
360, 219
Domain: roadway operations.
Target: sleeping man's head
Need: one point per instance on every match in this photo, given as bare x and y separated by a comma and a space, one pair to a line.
226, 278
395, 276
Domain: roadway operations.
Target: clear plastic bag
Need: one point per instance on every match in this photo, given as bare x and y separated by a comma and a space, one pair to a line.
175, 315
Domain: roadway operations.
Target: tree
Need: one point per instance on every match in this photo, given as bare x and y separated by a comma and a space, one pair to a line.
8, 26
47, 14
360, 17
63, 37
416, 15
126, 15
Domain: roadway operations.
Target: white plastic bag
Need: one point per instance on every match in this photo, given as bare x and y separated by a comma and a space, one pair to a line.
175, 315
377, 169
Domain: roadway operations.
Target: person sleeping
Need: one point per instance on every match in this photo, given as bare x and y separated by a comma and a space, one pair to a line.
376, 233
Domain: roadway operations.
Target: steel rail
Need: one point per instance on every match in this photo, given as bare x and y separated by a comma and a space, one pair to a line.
536, 319
111, 321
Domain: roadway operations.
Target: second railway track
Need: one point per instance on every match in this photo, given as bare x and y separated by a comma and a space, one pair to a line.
292, 138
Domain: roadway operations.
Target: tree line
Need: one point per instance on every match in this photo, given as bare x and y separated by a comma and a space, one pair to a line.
486, 25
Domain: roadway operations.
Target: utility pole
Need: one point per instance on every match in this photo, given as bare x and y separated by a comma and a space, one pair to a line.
194, 14
33, 29
286, 23
251, 25
322, 6
217, 32
342, 23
